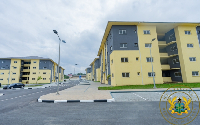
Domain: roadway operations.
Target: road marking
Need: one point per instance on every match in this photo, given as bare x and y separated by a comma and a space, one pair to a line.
11, 98
15, 97
19, 96
2, 100
6, 99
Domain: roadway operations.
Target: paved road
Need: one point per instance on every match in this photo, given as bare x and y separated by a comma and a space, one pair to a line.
16, 99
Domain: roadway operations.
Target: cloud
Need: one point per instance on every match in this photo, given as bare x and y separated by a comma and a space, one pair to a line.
26, 26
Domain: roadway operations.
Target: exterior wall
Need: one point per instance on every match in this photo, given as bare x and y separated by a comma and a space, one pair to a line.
88, 76
198, 33
38, 73
47, 75
98, 74
6, 64
145, 52
17, 71
170, 36
184, 53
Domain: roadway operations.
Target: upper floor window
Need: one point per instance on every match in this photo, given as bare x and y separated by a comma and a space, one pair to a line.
44, 78
15, 61
125, 74
34, 67
122, 31
177, 74
2, 67
192, 59
111, 48
15, 67
187, 32
3, 62
195, 73
149, 59
34, 72
146, 31
190, 45
124, 59
174, 48
13, 78
44, 73
1, 79
175, 61
135, 45
44, 67
123, 45
151, 74
198, 31
148, 45
45, 62
34, 62
14, 72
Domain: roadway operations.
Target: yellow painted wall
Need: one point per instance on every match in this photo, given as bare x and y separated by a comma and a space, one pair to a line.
145, 52
98, 74
88, 76
4, 76
17, 71
38, 73
184, 53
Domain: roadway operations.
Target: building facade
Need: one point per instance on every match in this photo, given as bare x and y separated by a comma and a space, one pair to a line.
28, 69
124, 53
88, 73
95, 70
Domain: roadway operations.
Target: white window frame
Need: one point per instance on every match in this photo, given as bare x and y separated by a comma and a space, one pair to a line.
33, 78
152, 73
187, 32
122, 31
176, 73
148, 45
123, 45
127, 74
149, 59
124, 59
196, 73
190, 45
146, 32
44, 78
192, 59
34, 67
15, 61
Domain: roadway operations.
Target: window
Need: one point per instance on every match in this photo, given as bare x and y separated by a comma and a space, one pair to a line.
13, 78
175, 61
15, 67
138, 73
34, 62
112, 61
125, 74
177, 74
151, 74
1, 79
195, 73
124, 59
34, 72
3, 62
137, 58
192, 59
135, 45
123, 45
34, 67
149, 59
146, 31
2, 73
33, 78
112, 75
44, 73
190, 45
14, 72
15, 61
122, 31
44, 78
187, 32
111, 48
2, 67
148, 45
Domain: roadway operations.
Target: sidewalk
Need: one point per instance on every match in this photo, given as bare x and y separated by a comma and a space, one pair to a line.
83, 92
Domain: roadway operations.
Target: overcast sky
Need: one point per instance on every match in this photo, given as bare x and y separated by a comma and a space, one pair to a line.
26, 26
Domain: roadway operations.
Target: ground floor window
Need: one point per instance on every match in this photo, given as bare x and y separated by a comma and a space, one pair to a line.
13, 78
112, 75
177, 74
138, 73
195, 73
151, 74
125, 74
44, 78
33, 78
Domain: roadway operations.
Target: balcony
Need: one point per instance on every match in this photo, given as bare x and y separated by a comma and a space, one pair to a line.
26, 65
162, 43
26, 70
164, 55
167, 79
165, 67
25, 75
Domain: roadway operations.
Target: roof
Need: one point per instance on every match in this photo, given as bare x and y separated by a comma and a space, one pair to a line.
94, 61
141, 23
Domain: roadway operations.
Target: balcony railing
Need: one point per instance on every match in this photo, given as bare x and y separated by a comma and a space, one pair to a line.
26, 70
164, 55
165, 67
162, 43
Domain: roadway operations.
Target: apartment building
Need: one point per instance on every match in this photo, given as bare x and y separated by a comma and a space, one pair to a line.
27, 70
88, 73
95, 70
124, 53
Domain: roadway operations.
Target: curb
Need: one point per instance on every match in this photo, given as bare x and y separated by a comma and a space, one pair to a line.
33, 87
69, 101
148, 91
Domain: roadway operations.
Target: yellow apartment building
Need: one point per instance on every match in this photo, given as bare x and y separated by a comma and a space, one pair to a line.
125, 59
28, 69
88, 73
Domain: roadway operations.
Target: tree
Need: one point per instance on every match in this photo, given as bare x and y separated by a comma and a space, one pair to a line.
39, 77
66, 77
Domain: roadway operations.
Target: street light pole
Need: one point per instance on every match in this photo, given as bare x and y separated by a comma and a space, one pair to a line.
58, 60
9, 74
152, 64
74, 69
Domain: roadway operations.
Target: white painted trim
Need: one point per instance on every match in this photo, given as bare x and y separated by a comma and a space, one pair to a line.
86, 100
56, 101
39, 100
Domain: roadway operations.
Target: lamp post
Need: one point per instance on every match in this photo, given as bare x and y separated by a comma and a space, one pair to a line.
152, 63
58, 59
9, 74
74, 69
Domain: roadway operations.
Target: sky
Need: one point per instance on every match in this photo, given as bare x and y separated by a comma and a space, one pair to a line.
26, 26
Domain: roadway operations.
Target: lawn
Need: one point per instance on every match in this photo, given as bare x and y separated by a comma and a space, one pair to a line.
190, 85
96, 81
32, 85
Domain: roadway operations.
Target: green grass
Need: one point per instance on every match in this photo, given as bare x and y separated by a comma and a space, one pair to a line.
190, 85
96, 81
32, 85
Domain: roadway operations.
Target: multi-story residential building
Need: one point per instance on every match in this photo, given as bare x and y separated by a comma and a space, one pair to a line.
27, 70
124, 53
95, 70
88, 73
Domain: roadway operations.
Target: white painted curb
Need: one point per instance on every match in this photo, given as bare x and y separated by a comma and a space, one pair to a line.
86, 100
56, 101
